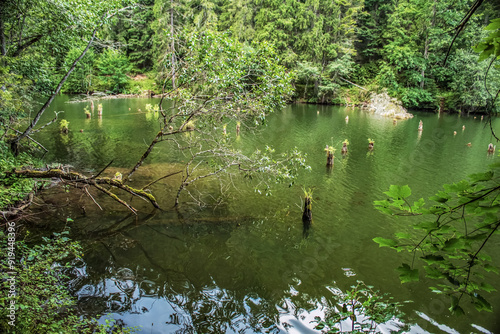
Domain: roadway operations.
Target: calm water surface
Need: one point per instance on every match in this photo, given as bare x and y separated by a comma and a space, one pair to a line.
245, 266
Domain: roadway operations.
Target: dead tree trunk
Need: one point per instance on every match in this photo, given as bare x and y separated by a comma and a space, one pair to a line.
329, 159
307, 214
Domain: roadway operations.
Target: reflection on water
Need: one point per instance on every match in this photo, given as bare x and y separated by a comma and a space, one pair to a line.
251, 265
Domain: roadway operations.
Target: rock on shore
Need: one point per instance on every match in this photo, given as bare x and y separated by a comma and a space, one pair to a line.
382, 104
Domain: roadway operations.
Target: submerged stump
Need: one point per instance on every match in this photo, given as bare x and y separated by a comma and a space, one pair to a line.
329, 158
307, 214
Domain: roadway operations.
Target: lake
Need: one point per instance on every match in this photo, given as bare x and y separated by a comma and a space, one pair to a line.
247, 265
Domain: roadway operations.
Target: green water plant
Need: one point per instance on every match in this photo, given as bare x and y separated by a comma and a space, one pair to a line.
64, 126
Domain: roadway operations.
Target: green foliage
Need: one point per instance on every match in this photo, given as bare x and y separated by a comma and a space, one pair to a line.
450, 238
222, 67
490, 46
154, 108
132, 29
362, 308
63, 125
417, 98
82, 79
113, 68
143, 84
15, 97
42, 304
13, 190
38, 294
222, 81
39, 34
469, 90
37, 69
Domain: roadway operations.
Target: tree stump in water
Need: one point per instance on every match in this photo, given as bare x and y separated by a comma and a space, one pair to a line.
307, 214
329, 158
344, 149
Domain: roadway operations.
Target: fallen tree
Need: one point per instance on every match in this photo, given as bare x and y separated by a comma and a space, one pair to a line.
97, 182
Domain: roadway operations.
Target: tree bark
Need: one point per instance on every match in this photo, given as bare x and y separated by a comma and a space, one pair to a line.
146, 153
307, 214
3, 46
172, 45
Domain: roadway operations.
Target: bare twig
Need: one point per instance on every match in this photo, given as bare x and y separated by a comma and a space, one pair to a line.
102, 170
85, 188
41, 146
161, 178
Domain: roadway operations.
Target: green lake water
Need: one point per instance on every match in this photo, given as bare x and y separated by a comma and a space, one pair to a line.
246, 265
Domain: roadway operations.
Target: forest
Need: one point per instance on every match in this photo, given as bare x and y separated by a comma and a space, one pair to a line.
395, 45
203, 120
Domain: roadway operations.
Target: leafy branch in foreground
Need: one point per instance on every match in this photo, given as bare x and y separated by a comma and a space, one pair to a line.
360, 310
36, 279
451, 236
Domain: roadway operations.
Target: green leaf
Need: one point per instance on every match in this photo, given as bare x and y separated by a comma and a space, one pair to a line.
489, 268
384, 210
403, 235
433, 273
406, 274
431, 259
418, 204
319, 326
482, 304
487, 287
456, 310
441, 197
481, 176
453, 244
429, 226
494, 25
437, 209
457, 187
385, 242
398, 192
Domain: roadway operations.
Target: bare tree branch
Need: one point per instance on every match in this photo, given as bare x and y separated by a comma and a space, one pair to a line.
77, 178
